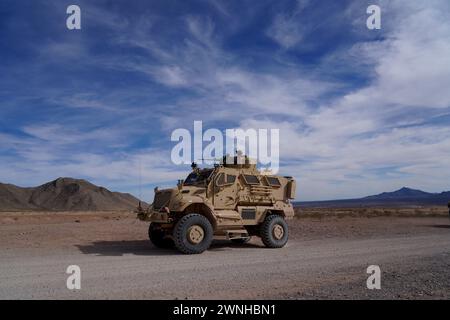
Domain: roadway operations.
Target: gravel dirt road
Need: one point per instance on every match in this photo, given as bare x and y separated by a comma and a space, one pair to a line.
325, 258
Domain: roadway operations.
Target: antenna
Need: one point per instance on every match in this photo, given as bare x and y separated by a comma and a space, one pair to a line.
140, 179
210, 159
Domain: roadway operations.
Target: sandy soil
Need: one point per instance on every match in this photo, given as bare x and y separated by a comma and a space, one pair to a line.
326, 257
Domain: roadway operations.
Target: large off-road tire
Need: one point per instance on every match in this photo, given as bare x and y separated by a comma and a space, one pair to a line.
274, 231
241, 240
158, 237
193, 234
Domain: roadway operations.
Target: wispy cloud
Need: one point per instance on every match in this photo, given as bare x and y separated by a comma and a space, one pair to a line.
288, 29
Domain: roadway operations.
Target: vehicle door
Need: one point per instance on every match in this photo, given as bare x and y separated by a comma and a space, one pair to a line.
225, 191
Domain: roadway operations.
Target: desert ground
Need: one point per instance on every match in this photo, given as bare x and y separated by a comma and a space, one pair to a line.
326, 258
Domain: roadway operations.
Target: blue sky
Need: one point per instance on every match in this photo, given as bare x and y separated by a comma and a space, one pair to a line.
359, 111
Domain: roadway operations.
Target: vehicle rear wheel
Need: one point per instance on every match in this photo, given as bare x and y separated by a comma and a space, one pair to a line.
274, 231
193, 234
241, 240
158, 237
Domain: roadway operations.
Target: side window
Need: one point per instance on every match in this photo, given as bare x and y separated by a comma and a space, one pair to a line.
274, 182
220, 180
230, 179
250, 179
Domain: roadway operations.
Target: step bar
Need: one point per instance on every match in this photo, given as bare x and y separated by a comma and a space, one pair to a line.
236, 234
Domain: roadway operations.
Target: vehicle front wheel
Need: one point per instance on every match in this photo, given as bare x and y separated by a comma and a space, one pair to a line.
158, 237
193, 234
274, 231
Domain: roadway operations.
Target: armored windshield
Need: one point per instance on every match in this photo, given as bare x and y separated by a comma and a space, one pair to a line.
196, 178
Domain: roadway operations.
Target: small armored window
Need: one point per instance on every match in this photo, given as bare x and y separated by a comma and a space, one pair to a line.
220, 181
251, 179
274, 182
230, 179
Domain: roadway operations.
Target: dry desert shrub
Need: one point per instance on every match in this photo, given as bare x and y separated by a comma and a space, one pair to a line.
320, 213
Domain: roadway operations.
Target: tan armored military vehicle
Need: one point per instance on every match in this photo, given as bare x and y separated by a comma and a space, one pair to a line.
233, 201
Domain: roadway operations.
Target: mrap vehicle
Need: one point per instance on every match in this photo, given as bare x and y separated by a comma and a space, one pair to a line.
233, 201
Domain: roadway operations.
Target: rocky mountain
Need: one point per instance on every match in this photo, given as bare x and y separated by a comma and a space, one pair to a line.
64, 194
403, 193
402, 197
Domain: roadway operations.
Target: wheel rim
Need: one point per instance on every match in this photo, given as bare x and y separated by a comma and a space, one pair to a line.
278, 231
195, 234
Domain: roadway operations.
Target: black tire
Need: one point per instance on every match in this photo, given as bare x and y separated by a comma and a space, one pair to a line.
267, 230
158, 237
181, 234
241, 240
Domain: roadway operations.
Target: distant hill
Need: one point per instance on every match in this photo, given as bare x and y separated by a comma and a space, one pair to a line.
402, 197
64, 194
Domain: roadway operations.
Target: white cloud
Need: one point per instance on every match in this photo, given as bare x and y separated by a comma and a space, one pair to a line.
413, 63
288, 29
171, 76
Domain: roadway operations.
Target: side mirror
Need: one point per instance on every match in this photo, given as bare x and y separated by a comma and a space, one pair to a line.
290, 189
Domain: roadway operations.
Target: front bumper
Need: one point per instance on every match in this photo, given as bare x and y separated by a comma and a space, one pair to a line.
153, 215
